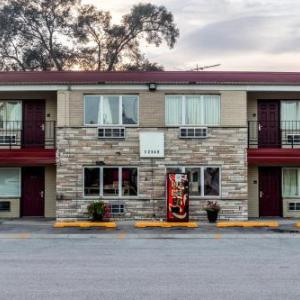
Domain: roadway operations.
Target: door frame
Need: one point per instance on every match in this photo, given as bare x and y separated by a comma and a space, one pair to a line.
279, 120
280, 192
22, 192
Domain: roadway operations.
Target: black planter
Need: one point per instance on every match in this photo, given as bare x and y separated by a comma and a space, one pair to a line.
97, 217
212, 216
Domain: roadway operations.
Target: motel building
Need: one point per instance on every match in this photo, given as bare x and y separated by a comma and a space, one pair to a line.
70, 138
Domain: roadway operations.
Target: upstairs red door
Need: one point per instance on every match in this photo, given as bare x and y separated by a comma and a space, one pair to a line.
32, 204
268, 124
34, 124
270, 201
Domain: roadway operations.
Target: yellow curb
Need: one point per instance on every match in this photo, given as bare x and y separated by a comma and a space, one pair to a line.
165, 224
298, 224
272, 224
85, 224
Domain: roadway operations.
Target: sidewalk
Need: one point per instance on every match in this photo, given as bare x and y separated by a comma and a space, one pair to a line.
41, 228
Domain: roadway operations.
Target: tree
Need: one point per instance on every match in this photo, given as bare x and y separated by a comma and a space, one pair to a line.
34, 34
116, 44
63, 34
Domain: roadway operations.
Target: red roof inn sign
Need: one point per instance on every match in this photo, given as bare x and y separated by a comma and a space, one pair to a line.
152, 144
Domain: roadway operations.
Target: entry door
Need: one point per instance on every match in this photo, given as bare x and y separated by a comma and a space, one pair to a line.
268, 124
34, 124
270, 202
33, 186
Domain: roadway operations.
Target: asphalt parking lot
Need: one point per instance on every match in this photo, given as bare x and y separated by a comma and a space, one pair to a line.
38, 262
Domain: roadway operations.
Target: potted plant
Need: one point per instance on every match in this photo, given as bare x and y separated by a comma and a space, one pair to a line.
97, 210
212, 209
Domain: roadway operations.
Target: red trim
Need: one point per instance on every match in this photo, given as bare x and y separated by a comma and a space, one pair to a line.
27, 157
175, 77
273, 157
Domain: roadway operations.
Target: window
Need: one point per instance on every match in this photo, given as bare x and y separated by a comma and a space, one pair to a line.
110, 181
193, 110
4, 206
294, 206
10, 182
290, 182
290, 113
203, 181
91, 181
10, 114
110, 110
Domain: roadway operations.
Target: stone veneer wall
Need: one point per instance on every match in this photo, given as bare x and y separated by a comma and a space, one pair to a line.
225, 147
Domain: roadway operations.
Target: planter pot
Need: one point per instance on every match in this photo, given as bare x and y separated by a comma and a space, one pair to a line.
212, 216
97, 217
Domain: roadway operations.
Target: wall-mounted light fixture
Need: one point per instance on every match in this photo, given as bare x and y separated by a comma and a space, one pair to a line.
100, 163
152, 86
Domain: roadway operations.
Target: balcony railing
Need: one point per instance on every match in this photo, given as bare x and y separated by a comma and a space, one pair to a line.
27, 134
274, 134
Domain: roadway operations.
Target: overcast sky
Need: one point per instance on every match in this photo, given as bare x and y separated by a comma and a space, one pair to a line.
238, 34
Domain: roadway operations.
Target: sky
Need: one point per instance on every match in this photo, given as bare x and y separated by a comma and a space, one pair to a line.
248, 35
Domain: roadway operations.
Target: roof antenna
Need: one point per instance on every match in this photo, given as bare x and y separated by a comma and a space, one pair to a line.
201, 68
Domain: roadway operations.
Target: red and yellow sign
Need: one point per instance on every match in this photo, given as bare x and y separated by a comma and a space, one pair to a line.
177, 197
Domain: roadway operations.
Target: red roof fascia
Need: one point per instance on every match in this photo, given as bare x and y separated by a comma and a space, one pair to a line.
273, 157
175, 77
27, 157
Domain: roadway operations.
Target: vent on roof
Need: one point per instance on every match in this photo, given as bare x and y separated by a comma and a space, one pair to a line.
7, 139
293, 139
193, 132
111, 132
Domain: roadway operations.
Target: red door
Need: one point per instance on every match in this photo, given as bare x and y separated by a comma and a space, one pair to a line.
33, 186
34, 124
270, 202
268, 124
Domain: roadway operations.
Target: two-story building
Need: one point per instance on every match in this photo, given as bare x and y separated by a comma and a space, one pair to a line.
69, 138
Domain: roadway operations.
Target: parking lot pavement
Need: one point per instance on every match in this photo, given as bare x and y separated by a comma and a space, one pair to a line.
142, 268
44, 228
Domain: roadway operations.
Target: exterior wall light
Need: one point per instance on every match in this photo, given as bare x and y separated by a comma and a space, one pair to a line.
152, 86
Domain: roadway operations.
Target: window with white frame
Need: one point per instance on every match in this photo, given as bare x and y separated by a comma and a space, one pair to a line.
110, 181
291, 182
110, 110
10, 114
204, 181
290, 113
10, 182
192, 110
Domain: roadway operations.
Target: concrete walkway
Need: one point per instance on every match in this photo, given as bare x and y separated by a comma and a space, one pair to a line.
43, 229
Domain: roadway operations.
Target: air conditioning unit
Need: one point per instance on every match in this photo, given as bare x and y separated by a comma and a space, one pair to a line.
8, 139
293, 138
111, 132
193, 132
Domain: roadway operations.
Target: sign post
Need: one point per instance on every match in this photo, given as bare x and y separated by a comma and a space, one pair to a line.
177, 197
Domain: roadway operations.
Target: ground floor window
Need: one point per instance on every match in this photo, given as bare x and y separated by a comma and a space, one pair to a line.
110, 181
290, 182
10, 182
204, 181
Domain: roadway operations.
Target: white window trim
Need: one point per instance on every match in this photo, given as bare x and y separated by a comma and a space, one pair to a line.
101, 195
20, 184
183, 111
298, 183
120, 111
202, 168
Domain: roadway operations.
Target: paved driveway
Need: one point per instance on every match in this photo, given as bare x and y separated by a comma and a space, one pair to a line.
150, 266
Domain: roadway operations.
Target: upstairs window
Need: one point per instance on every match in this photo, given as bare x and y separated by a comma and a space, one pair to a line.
290, 115
110, 110
10, 114
193, 110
